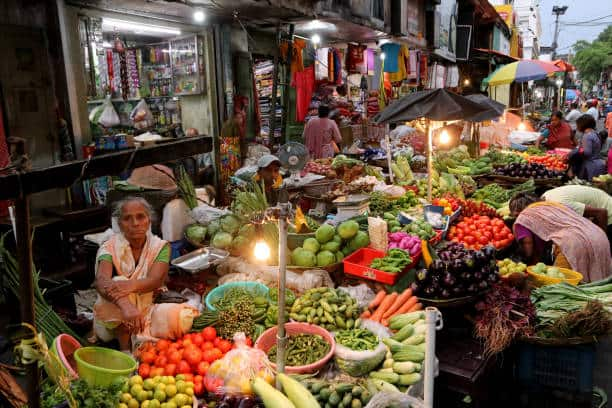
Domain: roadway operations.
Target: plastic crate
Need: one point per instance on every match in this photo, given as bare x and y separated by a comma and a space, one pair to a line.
358, 264
566, 368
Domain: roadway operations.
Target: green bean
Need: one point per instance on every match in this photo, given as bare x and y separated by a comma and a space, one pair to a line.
302, 349
357, 339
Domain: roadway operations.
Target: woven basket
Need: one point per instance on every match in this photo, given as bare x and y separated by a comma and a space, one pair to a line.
268, 339
153, 177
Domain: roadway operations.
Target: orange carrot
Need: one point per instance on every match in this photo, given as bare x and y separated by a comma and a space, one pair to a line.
416, 307
385, 322
406, 306
376, 301
401, 299
366, 314
384, 306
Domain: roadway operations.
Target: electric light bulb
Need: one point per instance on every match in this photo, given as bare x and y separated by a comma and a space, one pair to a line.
261, 251
199, 16
521, 126
444, 137
466, 82
382, 56
316, 39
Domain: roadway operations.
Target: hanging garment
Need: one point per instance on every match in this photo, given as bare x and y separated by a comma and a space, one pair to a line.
403, 61
382, 94
355, 58
297, 62
391, 51
378, 68
304, 83
337, 67
370, 62
330, 65
322, 64
412, 65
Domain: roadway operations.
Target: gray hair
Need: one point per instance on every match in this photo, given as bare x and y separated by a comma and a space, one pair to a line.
118, 207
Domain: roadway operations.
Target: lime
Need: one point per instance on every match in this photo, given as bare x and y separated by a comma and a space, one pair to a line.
180, 399
145, 404
136, 380
133, 404
189, 391
155, 404
170, 390
142, 395
148, 384
136, 389
171, 404
160, 387
181, 386
159, 395
126, 397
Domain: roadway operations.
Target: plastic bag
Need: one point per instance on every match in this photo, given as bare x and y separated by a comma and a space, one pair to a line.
141, 116
377, 229
357, 363
361, 293
386, 399
233, 373
175, 218
204, 213
109, 116
95, 113
171, 320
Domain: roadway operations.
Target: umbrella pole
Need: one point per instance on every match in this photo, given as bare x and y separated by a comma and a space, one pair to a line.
429, 160
523, 97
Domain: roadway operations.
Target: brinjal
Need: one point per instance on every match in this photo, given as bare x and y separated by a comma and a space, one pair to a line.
473, 288
416, 288
469, 261
483, 285
437, 265
493, 277
458, 290
466, 276
478, 276
445, 294
457, 265
248, 402
489, 251
429, 291
449, 280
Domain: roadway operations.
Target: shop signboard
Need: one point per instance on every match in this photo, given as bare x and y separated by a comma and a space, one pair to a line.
506, 12
447, 29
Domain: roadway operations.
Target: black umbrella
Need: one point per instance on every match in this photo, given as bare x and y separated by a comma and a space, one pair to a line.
435, 104
495, 110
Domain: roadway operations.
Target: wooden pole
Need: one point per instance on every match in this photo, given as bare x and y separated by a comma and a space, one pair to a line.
286, 84
26, 289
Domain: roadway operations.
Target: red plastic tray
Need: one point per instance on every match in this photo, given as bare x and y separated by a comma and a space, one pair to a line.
358, 264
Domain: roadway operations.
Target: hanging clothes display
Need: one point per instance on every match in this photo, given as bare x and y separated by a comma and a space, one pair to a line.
378, 69
304, 83
370, 61
412, 65
337, 57
297, 61
391, 51
403, 61
321, 64
355, 58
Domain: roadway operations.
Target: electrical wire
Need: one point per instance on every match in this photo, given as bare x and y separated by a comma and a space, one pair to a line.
586, 21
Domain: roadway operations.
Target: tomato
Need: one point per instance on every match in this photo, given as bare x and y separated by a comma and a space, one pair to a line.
207, 345
155, 371
161, 361
198, 389
197, 339
148, 357
188, 377
483, 240
170, 369
225, 346
505, 242
468, 239
510, 237
473, 227
216, 341
203, 367
249, 342
193, 356
208, 356
174, 356
162, 345
461, 225
144, 370
183, 367
209, 333
488, 235
187, 342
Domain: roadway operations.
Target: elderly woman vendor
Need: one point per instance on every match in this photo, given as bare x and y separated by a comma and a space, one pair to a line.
130, 266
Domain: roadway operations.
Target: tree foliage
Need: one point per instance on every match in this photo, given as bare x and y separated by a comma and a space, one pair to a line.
592, 58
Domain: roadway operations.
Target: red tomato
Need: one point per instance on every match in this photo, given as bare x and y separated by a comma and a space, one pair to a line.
207, 345
183, 367
198, 379
193, 356
473, 227
209, 355
488, 235
162, 345
461, 225
187, 342
209, 333
197, 339
188, 377
509, 237
148, 357
170, 369
483, 240
249, 342
225, 346
468, 239
144, 370
216, 341
174, 356
161, 361
203, 367
155, 371
198, 389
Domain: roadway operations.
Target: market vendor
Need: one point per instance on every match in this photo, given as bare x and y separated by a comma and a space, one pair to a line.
575, 242
268, 170
130, 266
321, 135
557, 134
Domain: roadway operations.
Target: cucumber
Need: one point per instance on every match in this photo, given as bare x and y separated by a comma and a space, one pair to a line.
270, 396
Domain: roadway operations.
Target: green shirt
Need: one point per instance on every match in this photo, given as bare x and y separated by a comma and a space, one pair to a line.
163, 256
578, 197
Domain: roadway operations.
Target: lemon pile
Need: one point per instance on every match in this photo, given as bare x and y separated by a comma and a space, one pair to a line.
508, 267
157, 392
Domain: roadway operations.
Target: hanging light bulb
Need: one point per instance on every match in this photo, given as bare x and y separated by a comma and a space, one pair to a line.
444, 137
261, 251
382, 56
199, 16
521, 126
466, 82
316, 39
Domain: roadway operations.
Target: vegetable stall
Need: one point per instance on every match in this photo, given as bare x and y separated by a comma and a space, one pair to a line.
360, 291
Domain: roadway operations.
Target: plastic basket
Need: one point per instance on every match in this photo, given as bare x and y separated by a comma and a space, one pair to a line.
571, 277
101, 366
565, 368
268, 339
64, 347
218, 292
358, 264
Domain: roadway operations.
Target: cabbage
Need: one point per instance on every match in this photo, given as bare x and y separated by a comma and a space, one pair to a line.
348, 229
213, 227
222, 240
196, 232
230, 223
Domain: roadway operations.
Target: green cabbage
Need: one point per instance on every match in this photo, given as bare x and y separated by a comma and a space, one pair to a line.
230, 223
196, 232
222, 240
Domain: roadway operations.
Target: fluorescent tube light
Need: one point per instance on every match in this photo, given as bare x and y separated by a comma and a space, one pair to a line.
111, 24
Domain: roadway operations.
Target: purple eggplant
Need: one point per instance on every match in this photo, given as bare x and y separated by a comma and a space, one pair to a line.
469, 261
473, 288
445, 293
465, 276
429, 291
449, 280
483, 285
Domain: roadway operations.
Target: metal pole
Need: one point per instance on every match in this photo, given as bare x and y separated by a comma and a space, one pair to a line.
26, 289
286, 83
429, 160
523, 97
432, 317
281, 338
388, 151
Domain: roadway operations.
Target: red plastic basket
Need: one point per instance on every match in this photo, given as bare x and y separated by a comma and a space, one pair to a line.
358, 264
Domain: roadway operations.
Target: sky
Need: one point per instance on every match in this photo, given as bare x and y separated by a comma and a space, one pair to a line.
578, 10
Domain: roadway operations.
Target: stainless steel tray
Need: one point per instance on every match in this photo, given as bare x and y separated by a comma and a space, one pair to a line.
200, 259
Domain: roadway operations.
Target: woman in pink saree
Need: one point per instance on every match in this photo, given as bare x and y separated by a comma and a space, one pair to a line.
577, 243
130, 266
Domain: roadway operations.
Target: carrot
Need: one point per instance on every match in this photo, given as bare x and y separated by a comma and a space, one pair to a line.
416, 307
385, 322
384, 306
406, 306
401, 299
366, 314
377, 299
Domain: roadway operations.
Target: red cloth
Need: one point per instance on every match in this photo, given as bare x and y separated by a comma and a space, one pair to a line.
4, 161
560, 136
354, 58
304, 83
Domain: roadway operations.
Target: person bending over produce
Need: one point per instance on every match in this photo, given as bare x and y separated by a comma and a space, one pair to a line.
576, 242
129, 267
